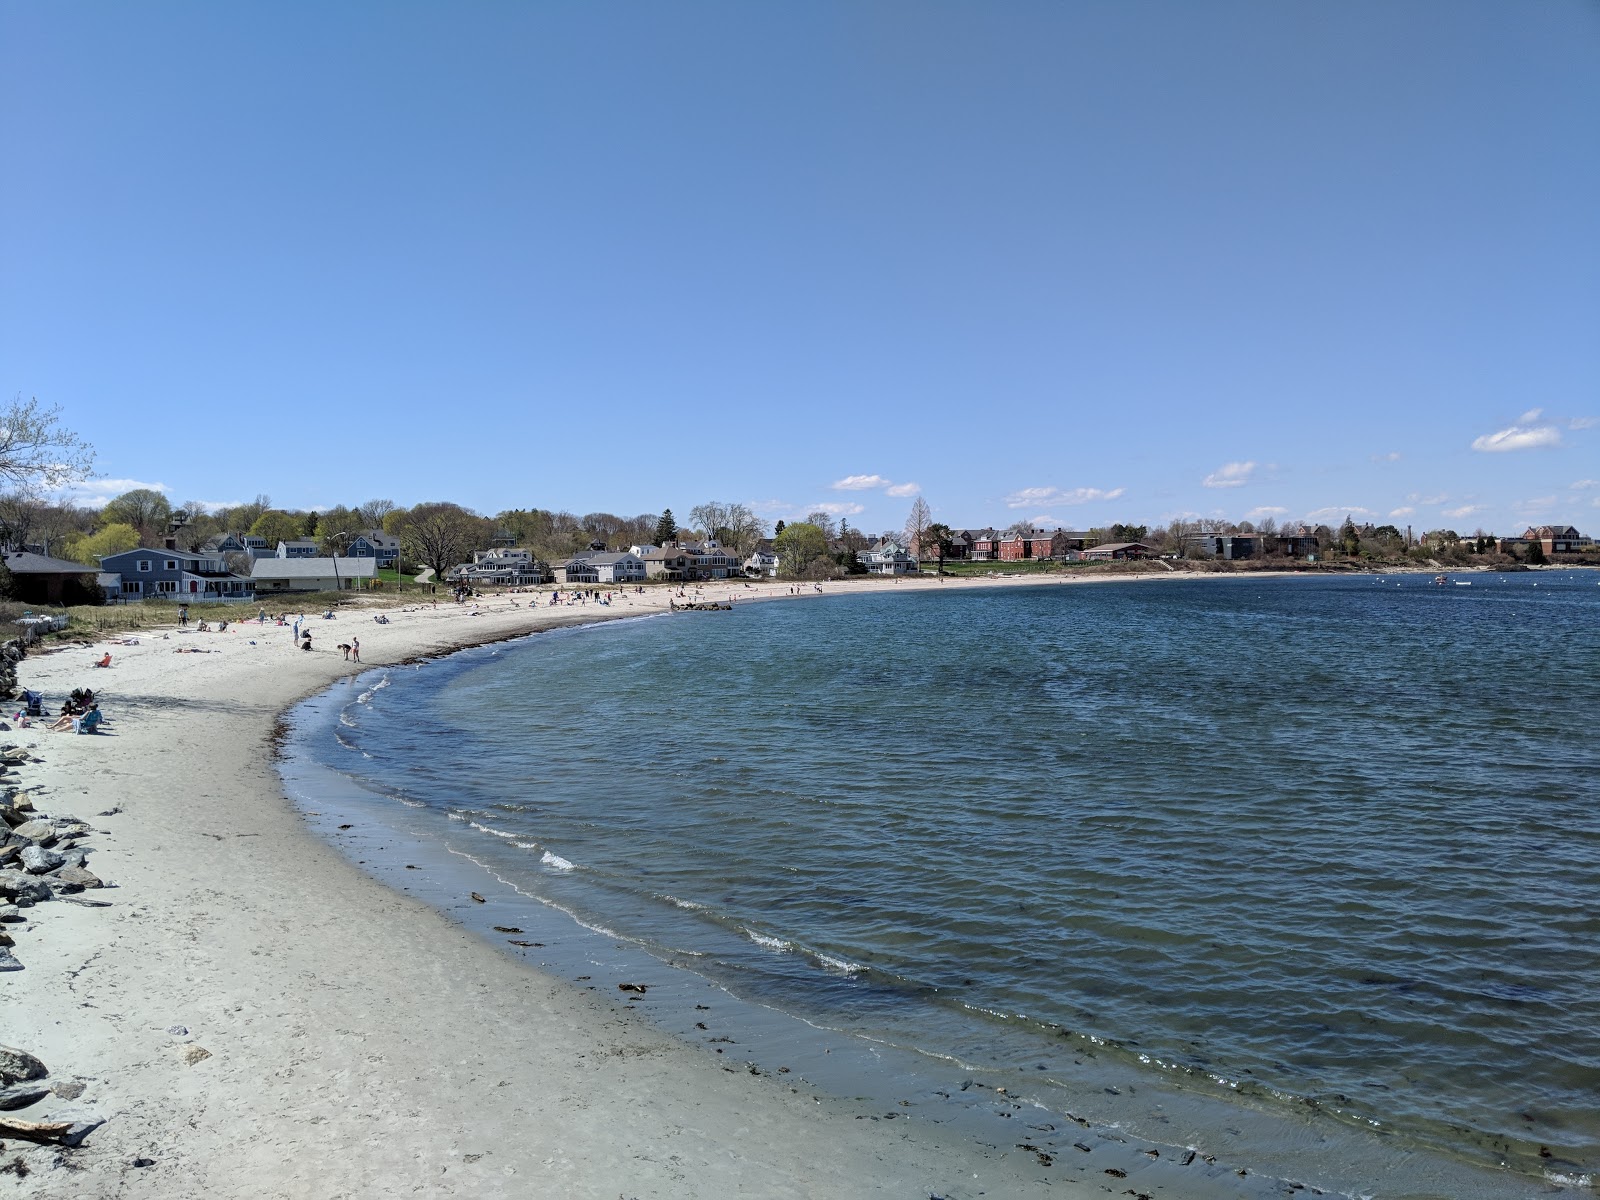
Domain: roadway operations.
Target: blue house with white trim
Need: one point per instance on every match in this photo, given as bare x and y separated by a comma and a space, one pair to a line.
196, 576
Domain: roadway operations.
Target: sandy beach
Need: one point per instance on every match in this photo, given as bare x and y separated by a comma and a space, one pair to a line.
355, 1041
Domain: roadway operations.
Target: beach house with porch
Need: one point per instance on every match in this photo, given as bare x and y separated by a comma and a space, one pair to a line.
311, 574
376, 544
889, 557
193, 575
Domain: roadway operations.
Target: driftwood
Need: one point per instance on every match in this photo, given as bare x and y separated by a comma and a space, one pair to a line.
34, 1131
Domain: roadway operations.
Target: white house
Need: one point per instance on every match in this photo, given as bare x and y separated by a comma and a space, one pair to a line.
602, 566
311, 574
762, 562
889, 557
502, 566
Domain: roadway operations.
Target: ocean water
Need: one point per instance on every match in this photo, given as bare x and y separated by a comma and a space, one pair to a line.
1320, 847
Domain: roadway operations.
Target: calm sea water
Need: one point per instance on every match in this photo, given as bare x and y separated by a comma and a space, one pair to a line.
1328, 844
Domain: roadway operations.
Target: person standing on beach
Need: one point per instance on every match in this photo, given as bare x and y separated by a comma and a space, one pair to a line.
295, 632
183, 615
355, 649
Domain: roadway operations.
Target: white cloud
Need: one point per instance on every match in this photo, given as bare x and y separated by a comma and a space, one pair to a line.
1234, 474
858, 483
1436, 498
1339, 511
97, 493
1529, 417
1584, 485
212, 506
1266, 510
1536, 504
771, 506
1054, 497
1522, 436
838, 510
1402, 512
903, 489
1465, 510
1583, 422
1392, 456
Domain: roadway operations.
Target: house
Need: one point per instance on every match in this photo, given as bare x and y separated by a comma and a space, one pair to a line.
40, 579
311, 574
1555, 539
602, 566
1022, 542
985, 544
376, 544
1117, 550
234, 543
709, 560
889, 557
1300, 544
176, 574
298, 548
762, 561
667, 562
959, 546
502, 566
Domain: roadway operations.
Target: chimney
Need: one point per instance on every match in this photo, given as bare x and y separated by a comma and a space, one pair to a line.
172, 543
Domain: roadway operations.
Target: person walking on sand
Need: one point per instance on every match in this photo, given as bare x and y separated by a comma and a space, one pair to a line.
183, 616
295, 632
355, 649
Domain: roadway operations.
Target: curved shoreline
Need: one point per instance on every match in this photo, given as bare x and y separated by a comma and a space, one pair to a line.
359, 1040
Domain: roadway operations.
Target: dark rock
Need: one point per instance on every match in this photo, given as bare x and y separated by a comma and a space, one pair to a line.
8, 960
69, 1089
20, 1095
10, 855
40, 832
10, 912
36, 860
23, 890
78, 877
18, 1066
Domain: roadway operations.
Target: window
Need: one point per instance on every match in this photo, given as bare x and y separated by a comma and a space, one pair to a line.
172, 564
132, 587
144, 564
166, 585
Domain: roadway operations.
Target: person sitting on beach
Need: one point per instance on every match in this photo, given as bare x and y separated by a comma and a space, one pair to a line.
103, 662
222, 626
306, 644
381, 619
82, 724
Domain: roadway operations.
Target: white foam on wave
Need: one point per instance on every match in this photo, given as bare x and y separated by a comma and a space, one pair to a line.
499, 833
526, 845
1561, 1179
691, 905
455, 816
382, 683
364, 698
344, 719
555, 862
769, 943
839, 964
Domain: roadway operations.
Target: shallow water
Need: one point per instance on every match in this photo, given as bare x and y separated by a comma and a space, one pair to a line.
1312, 845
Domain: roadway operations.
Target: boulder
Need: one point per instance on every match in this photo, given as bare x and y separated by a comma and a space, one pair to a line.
39, 831
20, 1095
77, 877
9, 855
18, 1066
36, 860
8, 960
11, 814
22, 889
10, 912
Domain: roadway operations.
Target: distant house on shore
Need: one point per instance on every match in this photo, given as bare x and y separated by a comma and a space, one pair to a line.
601, 566
194, 575
376, 544
298, 548
234, 543
985, 544
889, 557
40, 579
1555, 539
1023, 542
311, 574
1117, 551
502, 566
763, 562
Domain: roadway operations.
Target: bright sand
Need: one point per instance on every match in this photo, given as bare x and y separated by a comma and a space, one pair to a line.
361, 1043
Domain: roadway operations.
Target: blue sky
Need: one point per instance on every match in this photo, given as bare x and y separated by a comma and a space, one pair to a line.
1082, 262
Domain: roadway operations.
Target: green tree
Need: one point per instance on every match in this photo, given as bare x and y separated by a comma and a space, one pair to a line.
145, 509
277, 526
1535, 555
1349, 539
936, 538
798, 546
778, 528
109, 539
666, 528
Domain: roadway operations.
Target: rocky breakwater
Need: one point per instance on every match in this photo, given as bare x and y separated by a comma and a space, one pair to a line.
42, 859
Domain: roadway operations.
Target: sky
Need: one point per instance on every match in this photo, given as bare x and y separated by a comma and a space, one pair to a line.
1063, 262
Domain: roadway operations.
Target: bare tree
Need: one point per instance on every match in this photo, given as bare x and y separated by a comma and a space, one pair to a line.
373, 512
36, 452
443, 535
823, 521
917, 522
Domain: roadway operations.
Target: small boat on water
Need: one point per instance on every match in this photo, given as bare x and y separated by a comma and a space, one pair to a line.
1463, 582
1441, 580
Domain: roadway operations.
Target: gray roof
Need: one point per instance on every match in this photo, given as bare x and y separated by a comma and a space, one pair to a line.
23, 562
312, 568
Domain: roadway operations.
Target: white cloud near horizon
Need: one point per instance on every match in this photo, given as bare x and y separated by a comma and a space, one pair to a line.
1340, 511
1524, 435
1405, 511
858, 483
1229, 475
1583, 422
1465, 510
1051, 497
1584, 485
1392, 456
838, 510
903, 489
1266, 510
97, 493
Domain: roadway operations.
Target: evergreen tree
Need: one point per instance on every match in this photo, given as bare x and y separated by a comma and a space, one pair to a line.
1349, 539
1535, 555
666, 528
778, 528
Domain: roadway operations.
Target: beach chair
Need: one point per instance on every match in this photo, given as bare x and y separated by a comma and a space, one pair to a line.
89, 722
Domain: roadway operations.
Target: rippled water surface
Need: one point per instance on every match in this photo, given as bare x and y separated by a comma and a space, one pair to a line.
1315, 842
